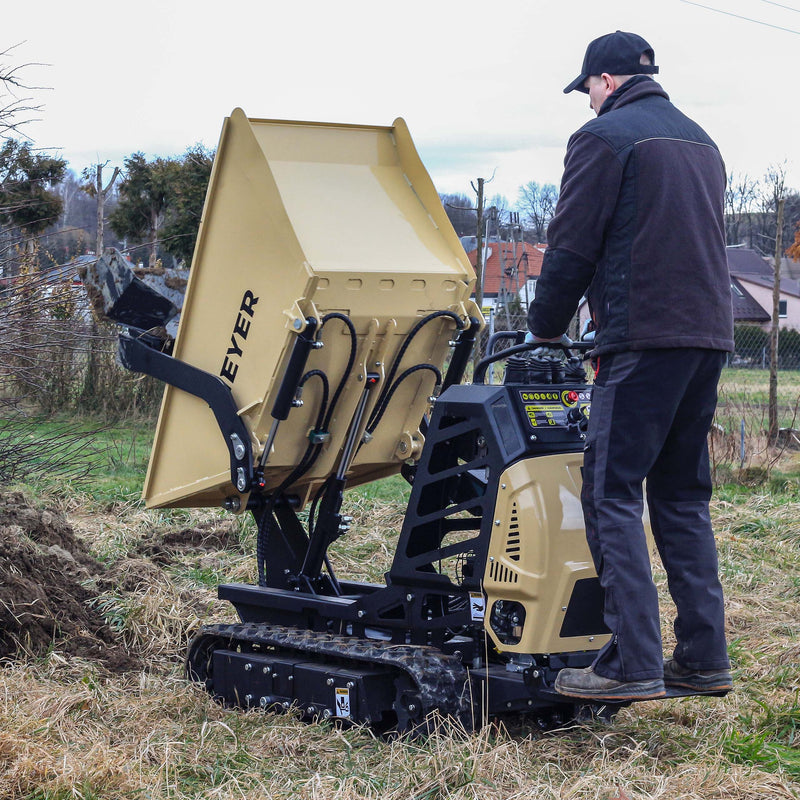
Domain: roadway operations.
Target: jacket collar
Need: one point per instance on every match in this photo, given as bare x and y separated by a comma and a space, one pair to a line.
633, 89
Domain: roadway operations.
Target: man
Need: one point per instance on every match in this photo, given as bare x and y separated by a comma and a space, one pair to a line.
639, 229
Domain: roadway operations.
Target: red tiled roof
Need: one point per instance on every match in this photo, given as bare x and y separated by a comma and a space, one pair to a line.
501, 258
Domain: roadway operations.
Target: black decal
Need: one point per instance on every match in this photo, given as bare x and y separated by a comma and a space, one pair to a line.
229, 369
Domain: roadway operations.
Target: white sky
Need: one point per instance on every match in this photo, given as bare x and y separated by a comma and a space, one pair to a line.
479, 83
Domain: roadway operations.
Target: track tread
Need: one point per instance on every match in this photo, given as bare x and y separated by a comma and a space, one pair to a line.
441, 680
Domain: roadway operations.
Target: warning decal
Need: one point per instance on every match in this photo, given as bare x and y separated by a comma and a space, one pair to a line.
477, 606
342, 702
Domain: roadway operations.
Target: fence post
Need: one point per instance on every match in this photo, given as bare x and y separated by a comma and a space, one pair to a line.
741, 445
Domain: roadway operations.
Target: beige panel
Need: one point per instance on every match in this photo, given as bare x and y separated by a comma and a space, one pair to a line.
302, 219
539, 551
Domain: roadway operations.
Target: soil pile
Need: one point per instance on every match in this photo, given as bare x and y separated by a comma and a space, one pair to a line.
46, 588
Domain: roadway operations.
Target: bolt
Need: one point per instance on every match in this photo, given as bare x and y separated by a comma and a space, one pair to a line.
290, 678
263, 702
377, 363
591, 638
265, 670
535, 673
326, 714
409, 597
297, 324
412, 707
497, 522
248, 666
241, 479
402, 447
530, 702
563, 608
533, 437
248, 698
508, 704
312, 710
329, 682
285, 704
362, 613
361, 377
502, 486
232, 504
350, 684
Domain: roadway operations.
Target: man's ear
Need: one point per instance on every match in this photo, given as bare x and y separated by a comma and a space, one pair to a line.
610, 83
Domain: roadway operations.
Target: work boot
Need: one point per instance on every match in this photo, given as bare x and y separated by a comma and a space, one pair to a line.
584, 683
698, 680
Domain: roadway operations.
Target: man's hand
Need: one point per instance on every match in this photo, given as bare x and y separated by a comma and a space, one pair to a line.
531, 338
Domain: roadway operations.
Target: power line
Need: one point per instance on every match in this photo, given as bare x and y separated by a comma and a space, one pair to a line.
781, 5
739, 16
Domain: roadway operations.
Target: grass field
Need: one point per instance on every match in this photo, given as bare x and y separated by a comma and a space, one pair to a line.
70, 728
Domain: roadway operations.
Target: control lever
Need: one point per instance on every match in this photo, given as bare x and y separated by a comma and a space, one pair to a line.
576, 418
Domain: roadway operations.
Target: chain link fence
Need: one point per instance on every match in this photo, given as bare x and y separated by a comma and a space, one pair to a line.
753, 348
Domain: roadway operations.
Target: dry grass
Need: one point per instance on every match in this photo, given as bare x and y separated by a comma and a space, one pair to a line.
70, 730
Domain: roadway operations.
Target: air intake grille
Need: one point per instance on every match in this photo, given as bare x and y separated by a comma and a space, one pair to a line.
513, 545
501, 574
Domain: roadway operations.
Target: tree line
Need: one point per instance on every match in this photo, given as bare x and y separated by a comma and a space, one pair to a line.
49, 215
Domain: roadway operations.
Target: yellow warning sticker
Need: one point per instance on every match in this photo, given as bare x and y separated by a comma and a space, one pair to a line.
342, 701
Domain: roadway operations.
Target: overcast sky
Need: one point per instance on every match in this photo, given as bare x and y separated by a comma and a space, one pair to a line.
479, 84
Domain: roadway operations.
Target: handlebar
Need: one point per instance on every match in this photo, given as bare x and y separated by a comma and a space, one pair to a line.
521, 347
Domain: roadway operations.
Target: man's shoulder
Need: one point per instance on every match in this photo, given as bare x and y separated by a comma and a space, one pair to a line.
652, 116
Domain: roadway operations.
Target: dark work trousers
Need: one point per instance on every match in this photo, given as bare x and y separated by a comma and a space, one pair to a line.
650, 416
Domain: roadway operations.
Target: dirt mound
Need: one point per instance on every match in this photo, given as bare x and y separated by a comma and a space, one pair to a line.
46, 576
165, 546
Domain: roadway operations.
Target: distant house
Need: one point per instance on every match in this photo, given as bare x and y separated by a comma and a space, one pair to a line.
752, 280
510, 271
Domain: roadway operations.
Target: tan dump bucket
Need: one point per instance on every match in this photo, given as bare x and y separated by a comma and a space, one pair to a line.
302, 219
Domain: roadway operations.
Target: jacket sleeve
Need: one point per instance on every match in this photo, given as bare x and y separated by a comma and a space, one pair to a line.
589, 191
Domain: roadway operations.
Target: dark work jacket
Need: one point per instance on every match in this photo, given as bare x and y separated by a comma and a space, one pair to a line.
639, 229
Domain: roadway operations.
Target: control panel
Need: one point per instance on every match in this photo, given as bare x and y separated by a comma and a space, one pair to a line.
555, 406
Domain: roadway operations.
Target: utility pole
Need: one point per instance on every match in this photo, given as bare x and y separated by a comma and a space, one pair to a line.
479, 253
96, 190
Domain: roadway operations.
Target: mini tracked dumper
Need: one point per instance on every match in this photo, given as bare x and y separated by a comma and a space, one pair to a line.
327, 291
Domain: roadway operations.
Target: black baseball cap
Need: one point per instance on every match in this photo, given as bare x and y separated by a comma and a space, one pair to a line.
616, 53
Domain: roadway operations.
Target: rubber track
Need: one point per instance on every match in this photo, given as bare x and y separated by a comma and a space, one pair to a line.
441, 680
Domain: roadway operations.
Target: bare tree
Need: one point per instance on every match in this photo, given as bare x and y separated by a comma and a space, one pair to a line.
537, 202
16, 109
741, 196
93, 186
461, 213
774, 200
